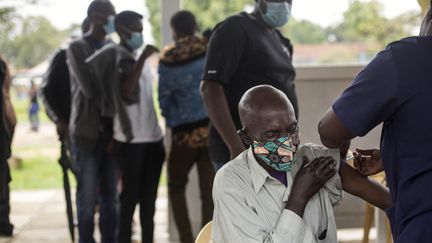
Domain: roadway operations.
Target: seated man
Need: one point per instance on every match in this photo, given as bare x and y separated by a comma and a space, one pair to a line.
278, 190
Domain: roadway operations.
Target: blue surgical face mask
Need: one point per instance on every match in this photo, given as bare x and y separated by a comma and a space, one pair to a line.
277, 14
135, 41
109, 27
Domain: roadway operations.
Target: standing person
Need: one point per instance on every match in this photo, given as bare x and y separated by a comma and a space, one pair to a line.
127, 92
180, 70
33, 107
245, 50
96, 168
394, 89
7, 127
57, 92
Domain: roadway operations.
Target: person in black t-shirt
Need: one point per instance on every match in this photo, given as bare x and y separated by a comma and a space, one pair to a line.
245, 50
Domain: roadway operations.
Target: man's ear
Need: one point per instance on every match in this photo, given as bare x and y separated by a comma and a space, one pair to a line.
247, 140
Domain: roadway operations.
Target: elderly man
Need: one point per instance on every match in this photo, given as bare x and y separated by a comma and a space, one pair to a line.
279, 190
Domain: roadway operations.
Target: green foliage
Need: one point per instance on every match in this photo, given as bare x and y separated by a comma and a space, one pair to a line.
207, 12
25, 42
210, 12
365, 22
35, 42
155, 19
304, 32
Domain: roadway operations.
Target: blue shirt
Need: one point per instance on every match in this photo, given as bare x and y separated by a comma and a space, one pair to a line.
179, 97
396, 89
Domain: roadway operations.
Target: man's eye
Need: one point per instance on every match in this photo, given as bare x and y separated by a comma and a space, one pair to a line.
270, 136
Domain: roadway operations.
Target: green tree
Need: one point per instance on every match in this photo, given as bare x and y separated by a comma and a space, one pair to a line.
155, 19
365, 22
207, 12
37, 39
304, 32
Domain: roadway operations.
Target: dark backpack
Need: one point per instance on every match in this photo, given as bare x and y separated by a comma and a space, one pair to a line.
56, 88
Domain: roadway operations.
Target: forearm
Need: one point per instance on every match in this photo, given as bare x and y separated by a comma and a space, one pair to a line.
219, 114
131, 80
361, 186
296, 205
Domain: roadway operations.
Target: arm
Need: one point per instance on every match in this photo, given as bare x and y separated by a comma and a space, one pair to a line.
361, 186
333, 133
371, 99
9, 112
130, 79
224, 54
164, 95
220, 116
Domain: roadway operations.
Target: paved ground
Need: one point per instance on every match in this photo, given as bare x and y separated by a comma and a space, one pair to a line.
39, 218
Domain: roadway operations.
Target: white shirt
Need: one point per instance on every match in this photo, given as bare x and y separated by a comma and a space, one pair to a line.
250, 204
145, 127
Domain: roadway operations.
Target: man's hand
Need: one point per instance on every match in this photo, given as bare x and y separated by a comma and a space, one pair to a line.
62, 129
368, 162
149, 50
311, 177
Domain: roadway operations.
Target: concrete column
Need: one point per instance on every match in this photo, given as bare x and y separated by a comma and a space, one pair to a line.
168, 8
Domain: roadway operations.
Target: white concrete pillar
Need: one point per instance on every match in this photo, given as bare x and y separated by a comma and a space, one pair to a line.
168, 8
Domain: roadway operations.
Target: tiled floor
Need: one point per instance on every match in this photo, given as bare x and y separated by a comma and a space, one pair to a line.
39, 217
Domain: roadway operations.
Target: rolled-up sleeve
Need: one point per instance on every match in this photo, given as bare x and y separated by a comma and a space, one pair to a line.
334, 184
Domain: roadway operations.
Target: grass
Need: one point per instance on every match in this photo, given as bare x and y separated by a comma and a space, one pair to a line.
38, 172
39, 168
21, 106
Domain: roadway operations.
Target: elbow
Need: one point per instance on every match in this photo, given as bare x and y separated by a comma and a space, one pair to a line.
204, 89
326, 138
210, 90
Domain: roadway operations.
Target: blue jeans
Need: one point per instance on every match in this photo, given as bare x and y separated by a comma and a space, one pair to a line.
97, 178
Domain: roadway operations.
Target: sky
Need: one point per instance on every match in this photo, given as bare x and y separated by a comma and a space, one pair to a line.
63, 13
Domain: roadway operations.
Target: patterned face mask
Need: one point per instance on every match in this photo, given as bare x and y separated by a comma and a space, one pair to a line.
279, 154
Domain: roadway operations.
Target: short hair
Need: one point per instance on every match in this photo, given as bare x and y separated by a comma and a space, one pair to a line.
184, 22
96, 5
85, 25
126, 17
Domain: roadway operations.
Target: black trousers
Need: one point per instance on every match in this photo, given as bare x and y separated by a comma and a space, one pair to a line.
5, 226
141, 166
181, 160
